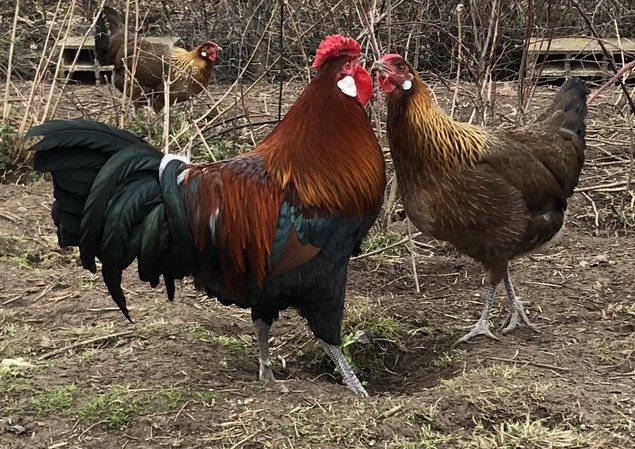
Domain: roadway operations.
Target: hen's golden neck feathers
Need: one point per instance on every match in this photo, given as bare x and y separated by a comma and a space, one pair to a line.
190, 62
326, 149
420, 129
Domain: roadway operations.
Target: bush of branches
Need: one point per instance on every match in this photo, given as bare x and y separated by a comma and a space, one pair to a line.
248, 30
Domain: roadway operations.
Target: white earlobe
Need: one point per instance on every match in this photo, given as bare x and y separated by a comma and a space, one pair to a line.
347, 85
406, 85
204, 54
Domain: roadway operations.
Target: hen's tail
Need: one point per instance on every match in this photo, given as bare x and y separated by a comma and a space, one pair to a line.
112, 200
109, 23
569, 109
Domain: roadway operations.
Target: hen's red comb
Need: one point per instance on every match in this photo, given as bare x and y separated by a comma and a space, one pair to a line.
335, 45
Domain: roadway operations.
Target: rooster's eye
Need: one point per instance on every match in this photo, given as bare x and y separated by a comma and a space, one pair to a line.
347, 66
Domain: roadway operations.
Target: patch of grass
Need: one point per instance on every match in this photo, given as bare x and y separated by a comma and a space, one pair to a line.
14, 251
505, 371
114, 407
169, 398
57, 399
150, 327
208, 398
232, 343
380, 240
428, 439
84, 331
528, 434
372, 341
7, 140
449, 358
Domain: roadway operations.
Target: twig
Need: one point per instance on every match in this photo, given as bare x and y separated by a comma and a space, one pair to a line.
529, 362
616, 77
281, 60
391, 412
595, 209
9, 301
245, 125
412, 258
83, 343
45, 291
602, 186
380, 250
7, 106
12, 218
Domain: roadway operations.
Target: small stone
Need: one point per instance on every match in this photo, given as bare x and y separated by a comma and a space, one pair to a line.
16, 429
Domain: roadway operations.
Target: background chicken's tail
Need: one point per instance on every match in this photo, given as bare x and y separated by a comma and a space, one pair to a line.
110, 202
109, 23
569, 109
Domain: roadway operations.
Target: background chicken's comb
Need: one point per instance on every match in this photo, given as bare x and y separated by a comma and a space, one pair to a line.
335, 45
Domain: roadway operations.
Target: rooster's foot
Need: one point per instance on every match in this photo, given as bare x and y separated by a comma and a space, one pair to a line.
480, 328
515, 316
349, 377
265, 373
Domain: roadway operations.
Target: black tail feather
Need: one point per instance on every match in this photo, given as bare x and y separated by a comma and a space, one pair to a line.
110, 202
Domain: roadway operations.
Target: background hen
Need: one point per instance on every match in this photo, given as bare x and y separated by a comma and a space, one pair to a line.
150, 64
492, 193
268, 230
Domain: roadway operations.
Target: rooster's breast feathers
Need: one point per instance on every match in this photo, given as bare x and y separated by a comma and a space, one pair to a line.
257, 229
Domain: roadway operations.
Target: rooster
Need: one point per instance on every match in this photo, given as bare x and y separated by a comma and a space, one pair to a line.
150, 63
493, 194
266, 230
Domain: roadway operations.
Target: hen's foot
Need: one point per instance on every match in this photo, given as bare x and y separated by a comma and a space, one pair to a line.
349, 377
480, 328
515, 316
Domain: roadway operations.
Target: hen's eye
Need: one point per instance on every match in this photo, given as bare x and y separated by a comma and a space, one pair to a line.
347, 66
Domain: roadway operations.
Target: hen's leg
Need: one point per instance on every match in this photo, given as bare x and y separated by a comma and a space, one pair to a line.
265, 373
516, 310
482, 325
349, 377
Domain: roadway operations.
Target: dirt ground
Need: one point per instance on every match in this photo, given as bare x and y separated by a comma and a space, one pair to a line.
185, 374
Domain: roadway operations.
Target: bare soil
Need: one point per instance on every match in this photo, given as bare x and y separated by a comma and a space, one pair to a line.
185, 373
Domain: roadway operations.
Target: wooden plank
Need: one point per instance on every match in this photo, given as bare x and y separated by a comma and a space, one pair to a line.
580, 44
76, 42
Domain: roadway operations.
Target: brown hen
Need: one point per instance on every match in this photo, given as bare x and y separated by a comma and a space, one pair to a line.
493, 194
150, 63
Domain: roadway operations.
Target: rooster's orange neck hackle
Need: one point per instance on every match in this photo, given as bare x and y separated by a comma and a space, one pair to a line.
434, 141
332, 167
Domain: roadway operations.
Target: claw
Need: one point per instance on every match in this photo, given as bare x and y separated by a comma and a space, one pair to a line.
515, 316
480, 328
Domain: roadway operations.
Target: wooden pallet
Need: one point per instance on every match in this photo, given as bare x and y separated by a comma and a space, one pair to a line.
579, 56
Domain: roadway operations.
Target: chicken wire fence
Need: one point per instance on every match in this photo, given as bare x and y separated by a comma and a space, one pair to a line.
490, 32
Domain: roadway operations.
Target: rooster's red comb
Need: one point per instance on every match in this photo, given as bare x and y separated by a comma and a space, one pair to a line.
335, 45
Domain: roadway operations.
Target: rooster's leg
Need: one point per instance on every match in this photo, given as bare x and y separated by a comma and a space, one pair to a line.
265, 373
350, 379
482, 325
516, 309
